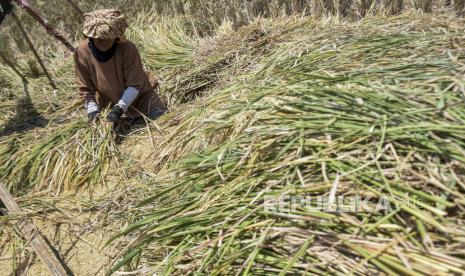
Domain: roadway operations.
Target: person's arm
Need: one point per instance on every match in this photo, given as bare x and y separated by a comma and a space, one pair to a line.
86, 88
133, 69
134, 75
129, 96
135, 79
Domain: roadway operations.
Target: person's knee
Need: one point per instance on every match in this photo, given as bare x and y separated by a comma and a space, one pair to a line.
153, 115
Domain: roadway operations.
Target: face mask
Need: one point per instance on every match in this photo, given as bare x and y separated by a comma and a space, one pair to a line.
102, 56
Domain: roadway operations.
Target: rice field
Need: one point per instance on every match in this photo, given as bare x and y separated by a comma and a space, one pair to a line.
265, 120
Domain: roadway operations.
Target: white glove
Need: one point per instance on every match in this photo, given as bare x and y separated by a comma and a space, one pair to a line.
91, 107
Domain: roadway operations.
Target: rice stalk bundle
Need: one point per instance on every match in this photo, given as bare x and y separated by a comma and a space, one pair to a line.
220, 59
71, 156
351, 114
188, 65
166, 44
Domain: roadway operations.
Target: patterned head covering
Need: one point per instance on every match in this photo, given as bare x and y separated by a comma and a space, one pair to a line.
105, 24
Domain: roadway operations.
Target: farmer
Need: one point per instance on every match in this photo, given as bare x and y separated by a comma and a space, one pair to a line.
109, 71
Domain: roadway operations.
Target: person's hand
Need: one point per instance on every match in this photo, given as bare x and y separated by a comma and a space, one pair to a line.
93, 116
115, 114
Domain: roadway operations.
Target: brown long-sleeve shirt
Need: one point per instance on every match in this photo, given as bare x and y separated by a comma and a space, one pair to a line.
105, 82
